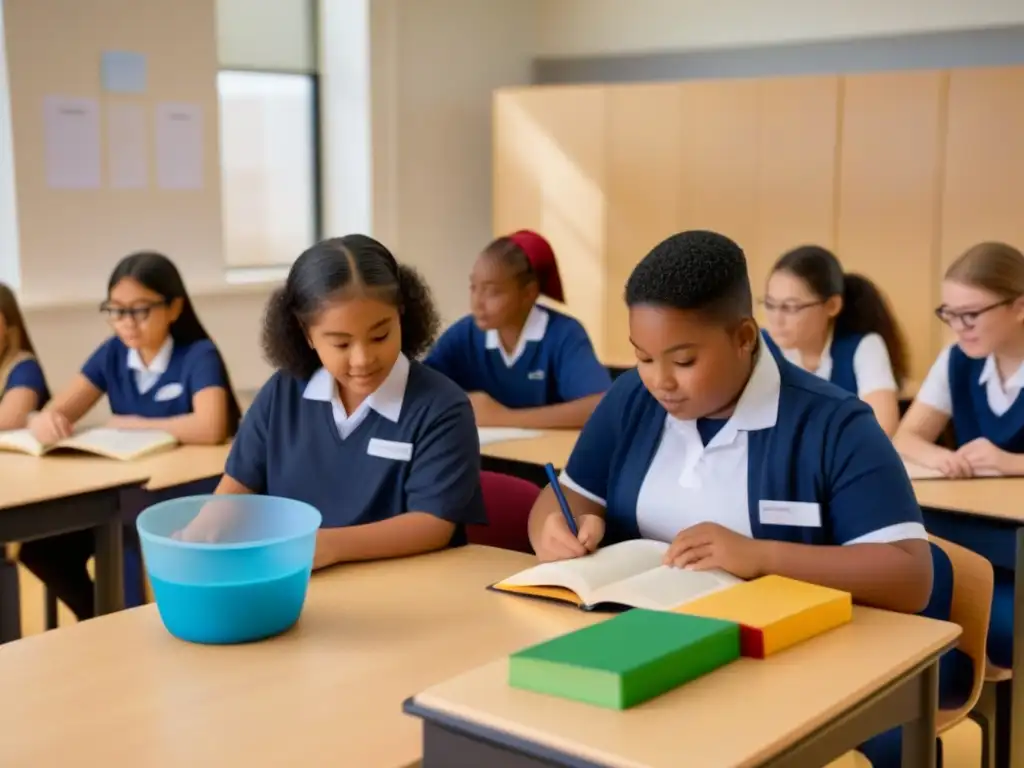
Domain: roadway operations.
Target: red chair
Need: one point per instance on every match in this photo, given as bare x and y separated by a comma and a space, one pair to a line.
508, 501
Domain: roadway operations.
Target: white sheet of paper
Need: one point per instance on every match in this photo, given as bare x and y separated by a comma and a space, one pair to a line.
71, 128
491, 435
127, 146
917, 472
179, 145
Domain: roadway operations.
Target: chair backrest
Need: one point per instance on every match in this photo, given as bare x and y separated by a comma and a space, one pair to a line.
970, 604
508, 501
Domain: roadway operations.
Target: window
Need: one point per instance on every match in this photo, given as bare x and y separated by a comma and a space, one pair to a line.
269, 166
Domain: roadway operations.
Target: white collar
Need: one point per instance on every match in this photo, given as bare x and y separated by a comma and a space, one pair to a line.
758, 406
158, 364
534, 328
824, 369
386, 399
989, 371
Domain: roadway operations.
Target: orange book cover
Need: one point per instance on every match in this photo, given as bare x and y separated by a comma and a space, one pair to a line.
774, 612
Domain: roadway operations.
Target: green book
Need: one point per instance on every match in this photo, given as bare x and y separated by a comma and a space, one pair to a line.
626, 660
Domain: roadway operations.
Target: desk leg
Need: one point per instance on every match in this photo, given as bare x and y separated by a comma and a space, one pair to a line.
919, 747
1017, 684
109, 568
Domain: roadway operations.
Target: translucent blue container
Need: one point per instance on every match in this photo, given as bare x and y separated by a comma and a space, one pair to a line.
228, 569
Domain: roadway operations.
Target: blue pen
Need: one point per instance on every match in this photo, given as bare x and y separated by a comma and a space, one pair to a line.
562, 501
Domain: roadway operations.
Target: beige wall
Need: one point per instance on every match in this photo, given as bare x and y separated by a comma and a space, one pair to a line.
605, 27
70, 239
434, 66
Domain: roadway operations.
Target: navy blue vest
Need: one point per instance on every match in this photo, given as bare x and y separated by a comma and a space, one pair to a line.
842, 351
972, 417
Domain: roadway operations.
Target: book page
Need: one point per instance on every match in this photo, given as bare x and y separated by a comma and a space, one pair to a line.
21, 440
664, 587
491, 435
918, 472
586, 575
119, 443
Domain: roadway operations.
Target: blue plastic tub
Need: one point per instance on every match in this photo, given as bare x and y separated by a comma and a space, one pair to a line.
234, 574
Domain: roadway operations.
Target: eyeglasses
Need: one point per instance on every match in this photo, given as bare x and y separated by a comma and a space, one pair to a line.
967, 319
138, 314
788, 307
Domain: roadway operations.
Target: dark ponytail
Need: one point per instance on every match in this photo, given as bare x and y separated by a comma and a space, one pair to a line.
335, 268
865, 308
157, 273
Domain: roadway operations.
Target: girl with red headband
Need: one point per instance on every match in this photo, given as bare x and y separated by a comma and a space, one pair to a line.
524, 365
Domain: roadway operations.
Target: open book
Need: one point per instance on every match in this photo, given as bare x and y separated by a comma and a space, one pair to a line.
491, 435
917, 472
626, 574
123, 444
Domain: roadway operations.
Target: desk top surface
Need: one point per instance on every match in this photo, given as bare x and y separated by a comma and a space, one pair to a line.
554, 446
736, 716
119, 690
996, 497
184, 464
31, 480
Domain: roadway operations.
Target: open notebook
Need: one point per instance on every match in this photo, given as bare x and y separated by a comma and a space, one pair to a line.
491, 435
626, 574
123, 444
917, 472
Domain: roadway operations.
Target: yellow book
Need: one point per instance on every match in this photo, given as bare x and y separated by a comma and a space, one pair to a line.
774, 612
122, 444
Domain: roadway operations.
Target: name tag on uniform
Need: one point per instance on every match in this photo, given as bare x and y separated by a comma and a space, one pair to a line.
535, 376
389, 449
802, 514
169, 392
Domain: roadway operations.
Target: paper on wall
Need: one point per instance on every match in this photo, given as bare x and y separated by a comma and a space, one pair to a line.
71, 130
127, 146
179, 145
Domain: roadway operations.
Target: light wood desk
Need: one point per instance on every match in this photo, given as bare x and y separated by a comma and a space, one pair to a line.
184, 465
119, 690
553, 446
801, 708
47, 496
987, 516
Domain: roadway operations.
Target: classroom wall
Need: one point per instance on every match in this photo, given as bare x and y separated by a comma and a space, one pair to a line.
898, 172
70, 239
609, 27
434, 65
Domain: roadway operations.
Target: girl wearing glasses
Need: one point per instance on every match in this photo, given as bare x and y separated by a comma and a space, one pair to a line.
159, 370
522, 364
975, 381
839, 327
22, 385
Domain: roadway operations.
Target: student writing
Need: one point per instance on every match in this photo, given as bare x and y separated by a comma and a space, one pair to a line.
524, 365
159, 370
23, 387
383, 446
737, 458
976, 382
839, 327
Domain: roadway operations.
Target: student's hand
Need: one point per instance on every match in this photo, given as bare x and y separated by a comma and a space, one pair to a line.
126, 422
488, 411
556, 541
50, 426
982, 456
217, 521
706, 546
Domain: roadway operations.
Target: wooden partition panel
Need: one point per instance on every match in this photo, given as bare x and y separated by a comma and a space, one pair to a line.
549, 175
643, 182
892, 131
719, 151
797, 153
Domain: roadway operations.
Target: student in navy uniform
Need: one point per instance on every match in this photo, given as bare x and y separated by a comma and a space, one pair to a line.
839, 327
976, 382
23, 387
524, 365
385, 447
159, 370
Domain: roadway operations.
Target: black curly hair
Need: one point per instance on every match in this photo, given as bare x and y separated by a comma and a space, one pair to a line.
697, 270
338, 267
